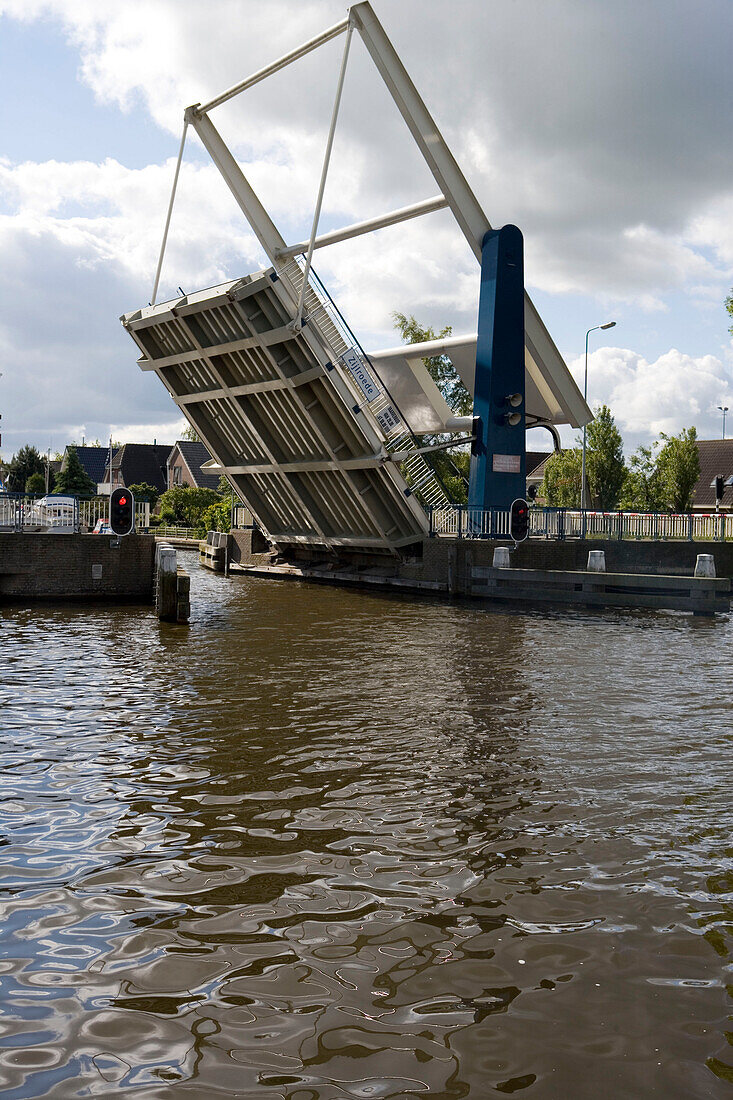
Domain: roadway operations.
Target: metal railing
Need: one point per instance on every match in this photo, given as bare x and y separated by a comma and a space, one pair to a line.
243, 518
191, 533
25, 512
60, 513
90, 511
373, 393
564, 523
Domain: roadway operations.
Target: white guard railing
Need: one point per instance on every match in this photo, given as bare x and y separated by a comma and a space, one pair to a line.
561, 523
92, 510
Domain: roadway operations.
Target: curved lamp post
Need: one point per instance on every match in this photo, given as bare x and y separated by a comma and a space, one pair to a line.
606, 324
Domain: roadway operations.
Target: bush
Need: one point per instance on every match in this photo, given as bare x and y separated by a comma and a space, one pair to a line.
182, 506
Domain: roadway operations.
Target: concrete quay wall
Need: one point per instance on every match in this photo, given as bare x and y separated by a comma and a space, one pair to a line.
445, 564
48, 567
458, 556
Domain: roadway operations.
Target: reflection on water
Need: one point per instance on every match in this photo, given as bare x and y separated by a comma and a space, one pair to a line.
323, 844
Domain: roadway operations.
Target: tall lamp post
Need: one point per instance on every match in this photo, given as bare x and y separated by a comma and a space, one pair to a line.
606, 324
724, 410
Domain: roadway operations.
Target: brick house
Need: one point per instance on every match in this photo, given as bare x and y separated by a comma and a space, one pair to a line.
716, 460
93, 461
184, 466
134, 463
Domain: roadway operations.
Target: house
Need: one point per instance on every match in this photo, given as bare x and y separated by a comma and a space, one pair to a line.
535, 468
134, 463
93, 461
184, 466
716, 460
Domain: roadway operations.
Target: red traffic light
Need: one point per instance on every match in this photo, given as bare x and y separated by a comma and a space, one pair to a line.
122, 512
519, 520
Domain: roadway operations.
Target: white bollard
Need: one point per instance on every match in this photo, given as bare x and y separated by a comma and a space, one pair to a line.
501, 557
597, 561
705, 565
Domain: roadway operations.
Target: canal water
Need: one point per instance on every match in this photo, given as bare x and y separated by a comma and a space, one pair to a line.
325, 843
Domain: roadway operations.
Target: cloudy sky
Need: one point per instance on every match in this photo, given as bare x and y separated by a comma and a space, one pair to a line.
600, 127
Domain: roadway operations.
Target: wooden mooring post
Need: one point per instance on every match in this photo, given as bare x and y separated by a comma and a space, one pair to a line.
172, 587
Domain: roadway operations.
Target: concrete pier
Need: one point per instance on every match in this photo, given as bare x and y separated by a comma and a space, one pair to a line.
662, 574
172, 586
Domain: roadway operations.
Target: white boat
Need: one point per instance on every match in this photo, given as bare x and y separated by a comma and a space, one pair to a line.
56, 514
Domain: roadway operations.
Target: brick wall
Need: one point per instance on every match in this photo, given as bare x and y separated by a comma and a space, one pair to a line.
73, 566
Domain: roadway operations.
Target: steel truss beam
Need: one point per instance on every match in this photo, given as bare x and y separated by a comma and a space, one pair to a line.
451, 182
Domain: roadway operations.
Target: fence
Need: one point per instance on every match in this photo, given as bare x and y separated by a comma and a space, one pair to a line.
193, 534
562, 523
90, 511
60, 513
23, 512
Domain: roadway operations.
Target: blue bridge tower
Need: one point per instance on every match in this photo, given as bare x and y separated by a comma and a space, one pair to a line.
498, 454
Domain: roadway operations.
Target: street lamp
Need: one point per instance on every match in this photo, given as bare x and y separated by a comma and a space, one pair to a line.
606, 324
724, 410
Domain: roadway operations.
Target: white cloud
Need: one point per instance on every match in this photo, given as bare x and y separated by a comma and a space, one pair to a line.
673, 392
166, 432
602, 130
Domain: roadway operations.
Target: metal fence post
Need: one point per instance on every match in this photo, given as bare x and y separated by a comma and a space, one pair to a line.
620, 526
561, 524
460, 521
689, 527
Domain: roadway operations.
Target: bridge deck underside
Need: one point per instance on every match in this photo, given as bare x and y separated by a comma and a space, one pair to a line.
280, 414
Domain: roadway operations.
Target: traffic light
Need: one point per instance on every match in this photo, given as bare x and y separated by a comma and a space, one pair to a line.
122, 511
519, 520
719, 489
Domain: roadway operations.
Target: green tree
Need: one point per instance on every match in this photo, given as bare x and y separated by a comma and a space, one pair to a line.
190, 433
562, 479
679, 469
217, 517
729, 307
143, 490
73, 479
36, 484
439, 367
642, 490
452, 467
28, 461
183, 506
604, 463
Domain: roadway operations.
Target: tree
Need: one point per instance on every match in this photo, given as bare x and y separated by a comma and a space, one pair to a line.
182, 506
143, 490
642, 490
217, 517
72, 479
729, 307
190, 433
451, 467
605, 469
439, 367
562, 479
28, 461
679, 469
36, 485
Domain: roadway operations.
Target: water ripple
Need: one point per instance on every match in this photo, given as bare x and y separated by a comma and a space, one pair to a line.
326, 844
